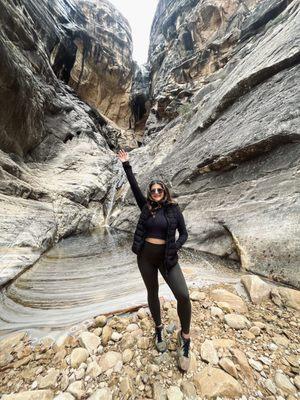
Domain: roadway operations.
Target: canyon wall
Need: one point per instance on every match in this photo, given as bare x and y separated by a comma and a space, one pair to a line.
223, 128
58, 173
103, 69
214, 113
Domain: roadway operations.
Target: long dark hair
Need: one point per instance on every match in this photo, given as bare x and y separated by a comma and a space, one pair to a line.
167, 199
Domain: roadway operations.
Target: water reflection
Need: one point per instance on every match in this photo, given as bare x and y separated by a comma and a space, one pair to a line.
84, 276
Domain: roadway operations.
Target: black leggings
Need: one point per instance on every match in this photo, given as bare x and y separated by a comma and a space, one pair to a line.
149, 261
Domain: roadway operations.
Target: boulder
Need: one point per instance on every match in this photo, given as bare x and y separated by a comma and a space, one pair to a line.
257, 289
212, 382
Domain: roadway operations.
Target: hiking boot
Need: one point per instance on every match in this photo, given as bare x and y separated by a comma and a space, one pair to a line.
160, 342
183, 351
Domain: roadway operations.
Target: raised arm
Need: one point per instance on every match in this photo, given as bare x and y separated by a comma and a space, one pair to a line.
138, 195
183, 235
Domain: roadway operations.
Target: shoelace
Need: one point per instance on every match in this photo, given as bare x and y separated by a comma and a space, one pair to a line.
186, 347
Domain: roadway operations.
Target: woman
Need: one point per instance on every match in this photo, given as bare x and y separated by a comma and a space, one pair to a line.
156, 249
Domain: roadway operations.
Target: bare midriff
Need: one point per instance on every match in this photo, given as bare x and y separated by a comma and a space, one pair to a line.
155, 240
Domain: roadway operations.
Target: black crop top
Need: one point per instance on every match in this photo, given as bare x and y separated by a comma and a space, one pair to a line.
157, 226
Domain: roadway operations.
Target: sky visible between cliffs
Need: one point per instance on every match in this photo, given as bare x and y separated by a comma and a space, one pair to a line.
139, 14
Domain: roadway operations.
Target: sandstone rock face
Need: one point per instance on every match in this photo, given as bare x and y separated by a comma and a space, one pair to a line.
140, 102
190, 40
231, 159
39, 41
103, 68
58, 175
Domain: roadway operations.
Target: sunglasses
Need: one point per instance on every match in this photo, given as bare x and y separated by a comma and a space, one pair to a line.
159, 191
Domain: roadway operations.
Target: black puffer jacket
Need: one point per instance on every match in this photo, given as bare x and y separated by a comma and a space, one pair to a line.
174, 218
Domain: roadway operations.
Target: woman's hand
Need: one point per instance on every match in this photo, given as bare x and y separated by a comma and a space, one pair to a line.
123, 155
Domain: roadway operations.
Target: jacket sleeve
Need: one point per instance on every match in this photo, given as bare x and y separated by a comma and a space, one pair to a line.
139, 197
183, 235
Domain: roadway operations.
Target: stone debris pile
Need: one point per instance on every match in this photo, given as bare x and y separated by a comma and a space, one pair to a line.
241, 348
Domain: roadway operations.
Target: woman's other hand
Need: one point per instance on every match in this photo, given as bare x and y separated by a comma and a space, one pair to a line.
123, 155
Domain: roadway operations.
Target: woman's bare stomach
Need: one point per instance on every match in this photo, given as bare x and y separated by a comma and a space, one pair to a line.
155, 240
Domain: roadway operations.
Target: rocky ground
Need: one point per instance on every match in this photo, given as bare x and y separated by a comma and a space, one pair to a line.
241, 349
